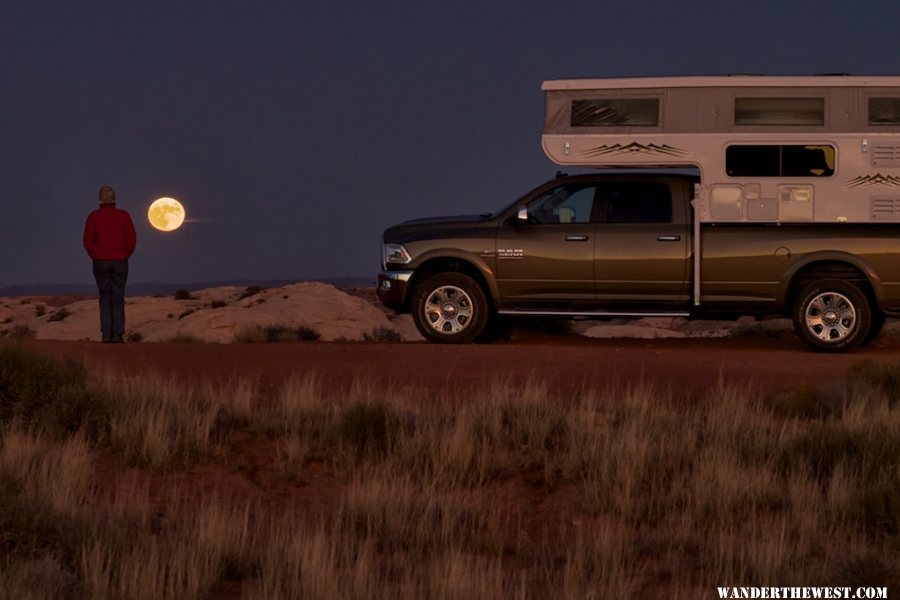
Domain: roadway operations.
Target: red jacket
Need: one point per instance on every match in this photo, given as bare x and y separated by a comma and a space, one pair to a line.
109, 234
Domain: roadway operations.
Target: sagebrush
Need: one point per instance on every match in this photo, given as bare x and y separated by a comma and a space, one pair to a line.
498, 489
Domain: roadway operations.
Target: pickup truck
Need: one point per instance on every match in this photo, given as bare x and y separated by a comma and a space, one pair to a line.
622, 244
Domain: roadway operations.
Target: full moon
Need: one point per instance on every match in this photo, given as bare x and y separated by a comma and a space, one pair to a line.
166, 214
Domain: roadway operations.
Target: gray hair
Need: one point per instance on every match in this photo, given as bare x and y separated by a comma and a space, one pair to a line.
107, 195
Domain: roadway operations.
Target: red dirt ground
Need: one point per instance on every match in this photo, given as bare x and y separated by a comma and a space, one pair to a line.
566, 361
250, 470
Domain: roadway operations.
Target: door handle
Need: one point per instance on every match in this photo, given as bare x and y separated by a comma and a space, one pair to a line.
576, 238
668, 238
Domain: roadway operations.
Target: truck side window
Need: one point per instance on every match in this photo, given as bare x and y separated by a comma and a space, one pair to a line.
564, 204
637, 202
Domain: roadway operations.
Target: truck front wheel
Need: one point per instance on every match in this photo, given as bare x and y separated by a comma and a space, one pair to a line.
832, 315
450, 308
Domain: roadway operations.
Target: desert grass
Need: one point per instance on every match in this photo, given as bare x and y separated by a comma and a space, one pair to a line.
258, 334
156, 422
503, 489
382, 334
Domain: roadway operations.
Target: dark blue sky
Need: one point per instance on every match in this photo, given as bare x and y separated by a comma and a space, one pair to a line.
295, 132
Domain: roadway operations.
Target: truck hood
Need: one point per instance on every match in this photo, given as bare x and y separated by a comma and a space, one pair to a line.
432, 227
458, 219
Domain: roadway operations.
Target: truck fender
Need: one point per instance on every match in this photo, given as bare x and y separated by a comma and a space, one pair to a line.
789, 275
449, 254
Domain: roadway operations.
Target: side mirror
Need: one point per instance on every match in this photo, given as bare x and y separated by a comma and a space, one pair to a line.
521, 217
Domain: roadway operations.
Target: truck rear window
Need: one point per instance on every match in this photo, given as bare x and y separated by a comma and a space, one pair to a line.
779, 161
637, 202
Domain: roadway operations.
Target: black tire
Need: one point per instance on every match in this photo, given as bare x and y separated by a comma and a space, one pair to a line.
450, 308
832, 315
878, 319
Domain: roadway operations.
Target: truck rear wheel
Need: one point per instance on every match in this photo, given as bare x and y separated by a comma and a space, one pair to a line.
878, 319
832, 315
450, 308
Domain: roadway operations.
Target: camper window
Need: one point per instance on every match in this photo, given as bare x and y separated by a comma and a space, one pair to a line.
615, 112
779, 161
884, 111
779, 111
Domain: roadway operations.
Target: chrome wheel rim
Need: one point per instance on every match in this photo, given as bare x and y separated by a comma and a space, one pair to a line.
448, 309
830, 317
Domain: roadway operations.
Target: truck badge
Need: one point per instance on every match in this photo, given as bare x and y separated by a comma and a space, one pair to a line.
510, 253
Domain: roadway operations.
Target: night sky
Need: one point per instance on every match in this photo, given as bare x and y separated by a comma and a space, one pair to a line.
295, 132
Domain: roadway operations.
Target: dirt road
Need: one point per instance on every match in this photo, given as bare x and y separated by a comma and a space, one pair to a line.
569, 362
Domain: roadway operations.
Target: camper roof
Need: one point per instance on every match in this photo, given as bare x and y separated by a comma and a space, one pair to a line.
724, 81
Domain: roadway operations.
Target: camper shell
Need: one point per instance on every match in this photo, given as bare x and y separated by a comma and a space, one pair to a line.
820, 149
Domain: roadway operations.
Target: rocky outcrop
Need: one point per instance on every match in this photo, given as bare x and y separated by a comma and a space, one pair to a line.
214, 315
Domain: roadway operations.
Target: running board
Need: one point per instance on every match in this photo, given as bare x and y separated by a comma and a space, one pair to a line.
580, 313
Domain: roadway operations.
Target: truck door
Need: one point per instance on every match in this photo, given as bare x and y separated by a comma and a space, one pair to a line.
642, 247
547, 262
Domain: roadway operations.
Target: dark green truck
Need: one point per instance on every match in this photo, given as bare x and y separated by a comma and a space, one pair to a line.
609, 245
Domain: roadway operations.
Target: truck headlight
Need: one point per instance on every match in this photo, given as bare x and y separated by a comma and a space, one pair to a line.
396, 254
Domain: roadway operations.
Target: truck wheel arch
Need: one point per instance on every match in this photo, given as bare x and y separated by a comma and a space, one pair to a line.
829, 266
482, 274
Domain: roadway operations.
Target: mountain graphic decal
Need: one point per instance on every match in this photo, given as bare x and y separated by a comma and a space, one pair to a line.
874, 180
634, 148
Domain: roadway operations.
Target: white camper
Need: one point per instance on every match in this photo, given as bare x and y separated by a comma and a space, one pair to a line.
769, 149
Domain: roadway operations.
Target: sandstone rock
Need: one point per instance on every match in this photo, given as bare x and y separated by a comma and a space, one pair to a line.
217, 315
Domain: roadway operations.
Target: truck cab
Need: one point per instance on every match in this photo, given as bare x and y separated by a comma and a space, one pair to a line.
595, 245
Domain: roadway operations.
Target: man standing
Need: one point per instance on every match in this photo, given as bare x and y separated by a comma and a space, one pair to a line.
109, 239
